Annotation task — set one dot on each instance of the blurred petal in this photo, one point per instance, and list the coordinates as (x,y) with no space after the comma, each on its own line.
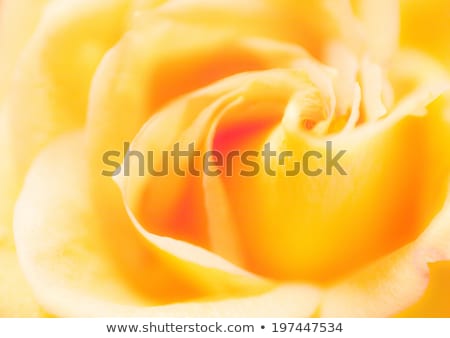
(16,298)
(435,302)
(61,243)
(411,69)
(143,71)
(397,281)
(18,20)
(285,20)
(425,25)
(54,102)
(381,43)
(55,70)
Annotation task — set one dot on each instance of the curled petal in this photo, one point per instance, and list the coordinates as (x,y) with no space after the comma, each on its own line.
(61,243)
(55,70)
(330,223)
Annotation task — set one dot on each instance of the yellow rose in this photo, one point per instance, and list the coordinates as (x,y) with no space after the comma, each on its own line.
(368,236)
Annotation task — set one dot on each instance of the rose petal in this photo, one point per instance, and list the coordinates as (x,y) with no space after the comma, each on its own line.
(16,298)
(435,302)
(433,18)
(158,202)
(248,53)
(394,282)
(265,246)
(283,301)
(411,69)
(381,44)
(332,224)
(61,243)
(307,24)
(55,70)
(142,72)
(18,20)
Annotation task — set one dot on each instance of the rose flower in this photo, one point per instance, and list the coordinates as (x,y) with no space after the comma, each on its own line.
(95,96)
